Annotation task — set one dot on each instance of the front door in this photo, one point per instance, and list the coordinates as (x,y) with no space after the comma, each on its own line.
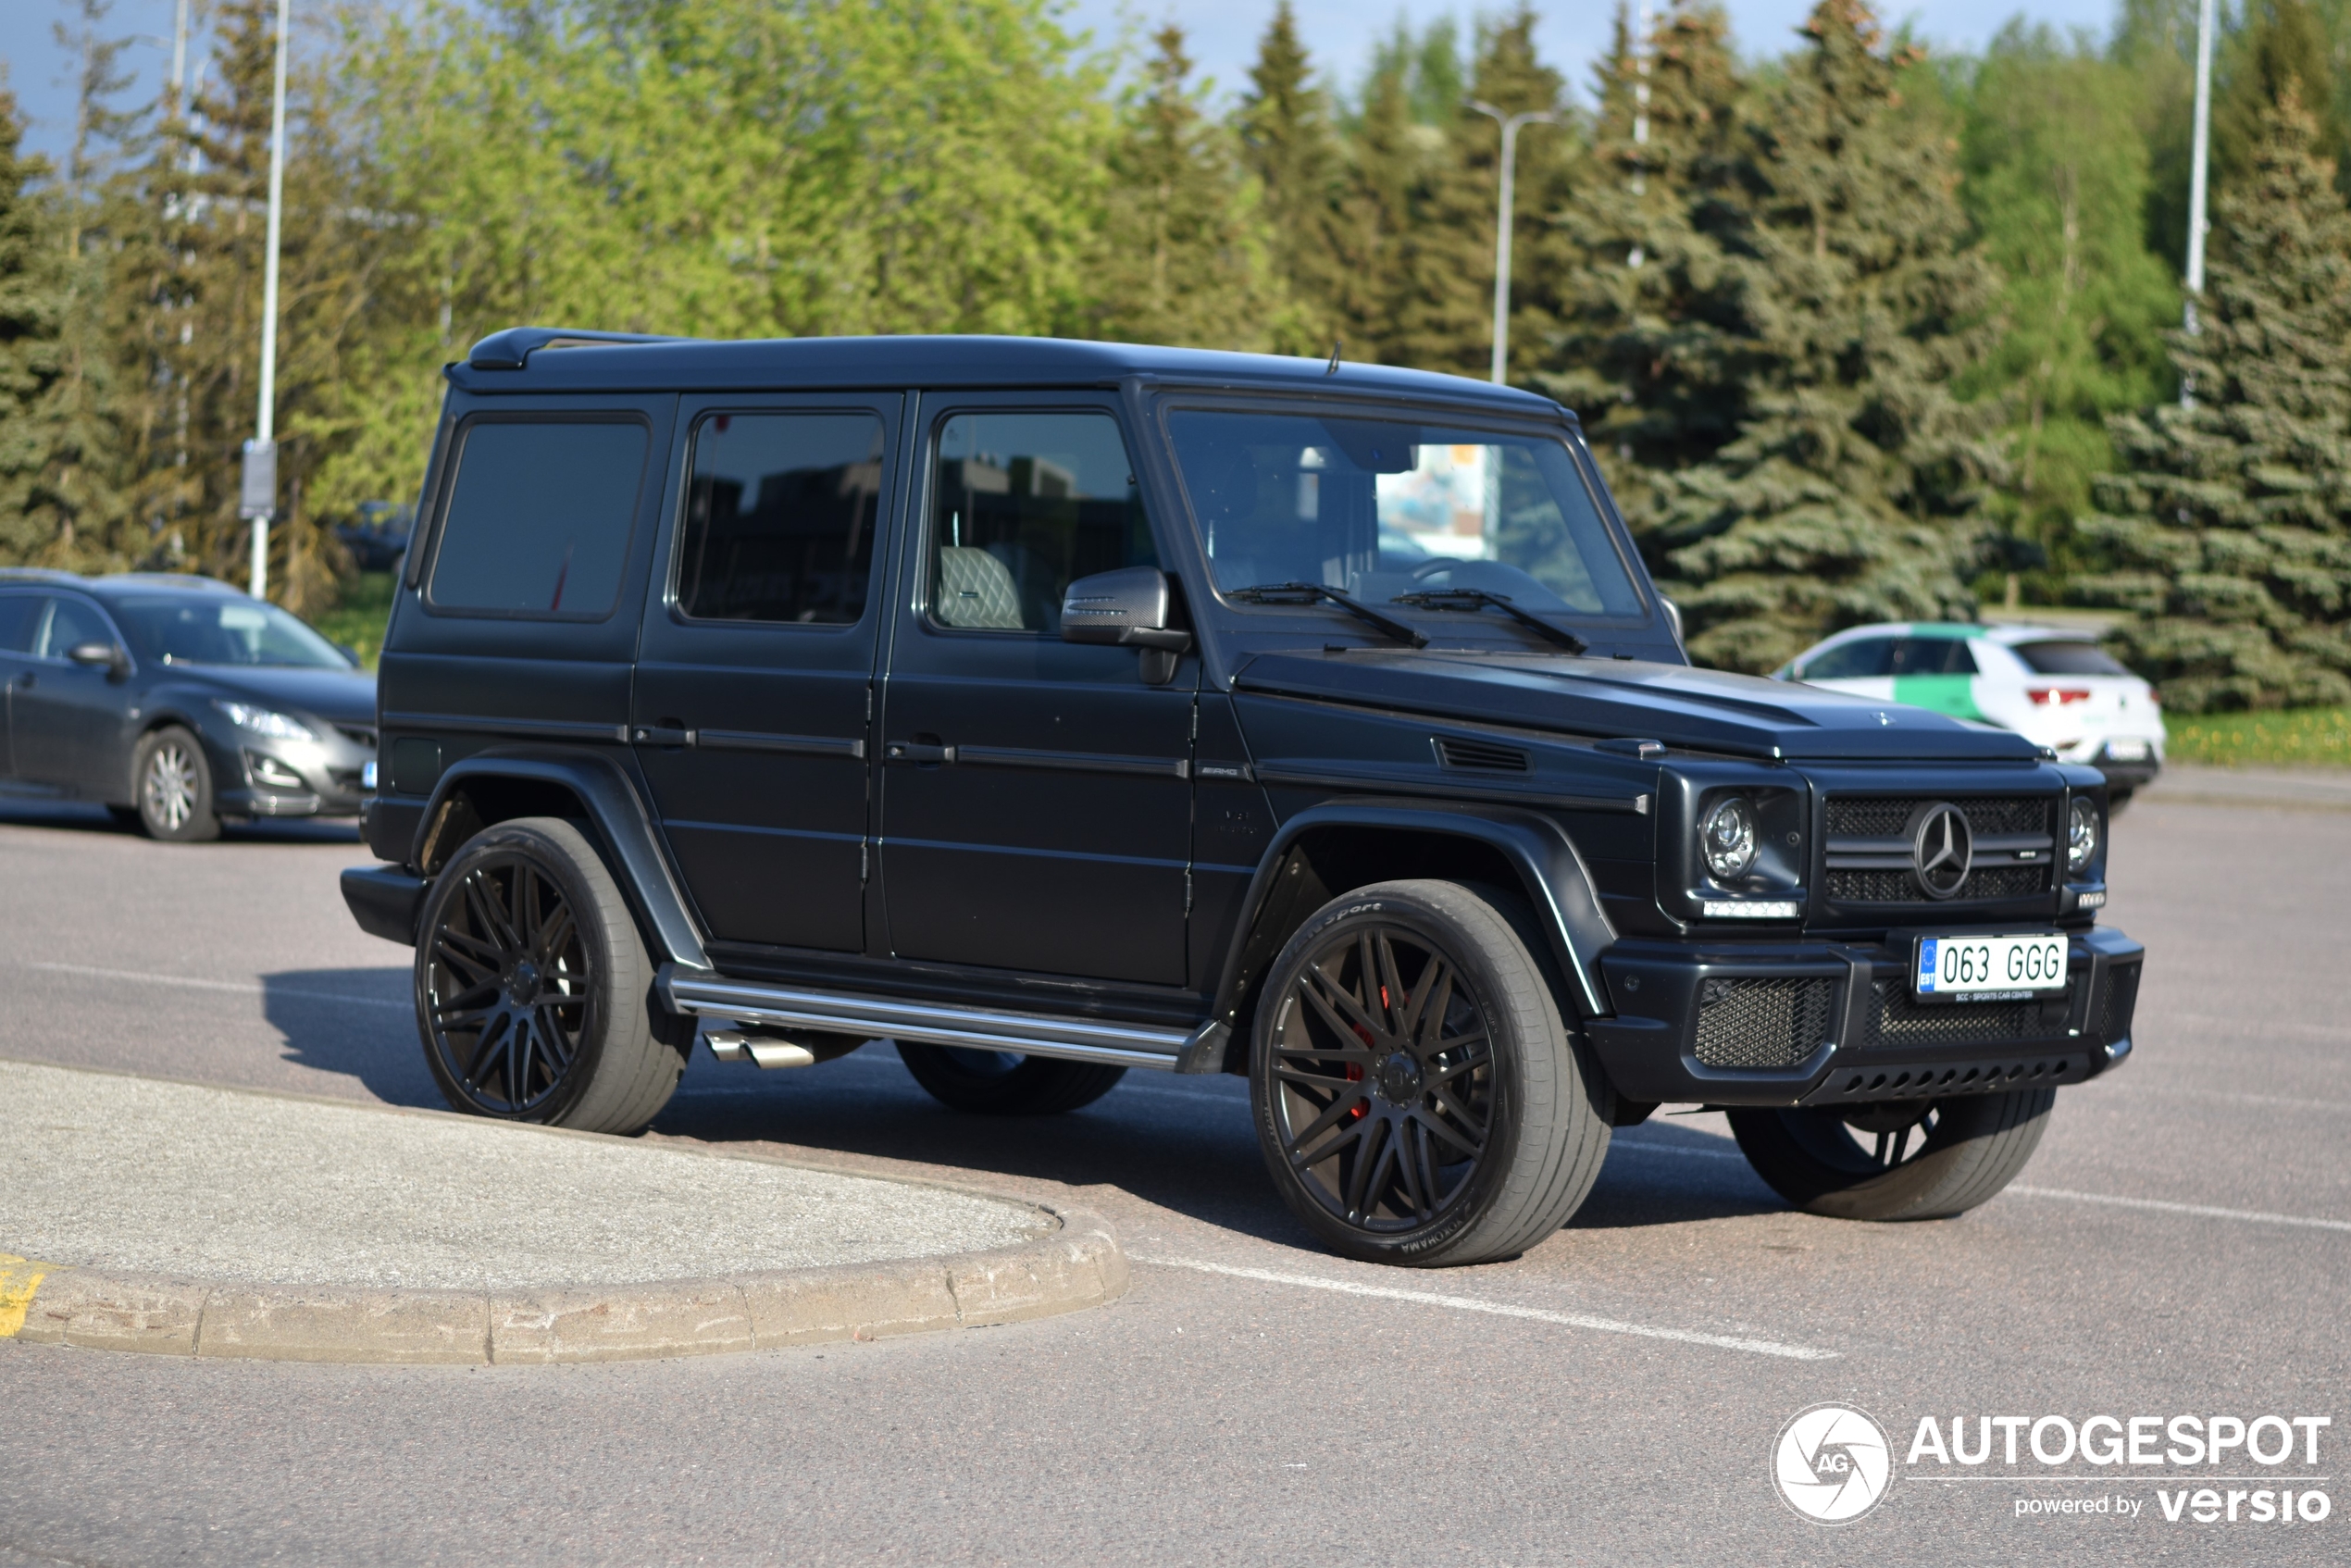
(754,685)
(1035,794)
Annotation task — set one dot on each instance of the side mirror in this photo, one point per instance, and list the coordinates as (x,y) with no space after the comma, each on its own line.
(101,655)
(1673,619)
(348,652)
(1127,608)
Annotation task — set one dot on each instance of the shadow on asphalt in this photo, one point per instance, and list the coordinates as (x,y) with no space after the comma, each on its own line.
(33,811)
(357,1022)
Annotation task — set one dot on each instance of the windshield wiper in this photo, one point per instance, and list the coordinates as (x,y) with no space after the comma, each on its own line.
(1315,592)
(1474,598)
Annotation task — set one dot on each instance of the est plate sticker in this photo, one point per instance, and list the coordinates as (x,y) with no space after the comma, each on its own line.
(1990,966)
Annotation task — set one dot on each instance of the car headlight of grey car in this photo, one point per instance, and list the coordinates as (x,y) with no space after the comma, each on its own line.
(265,722)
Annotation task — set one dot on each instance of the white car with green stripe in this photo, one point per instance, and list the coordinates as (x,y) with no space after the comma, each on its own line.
(2053,686)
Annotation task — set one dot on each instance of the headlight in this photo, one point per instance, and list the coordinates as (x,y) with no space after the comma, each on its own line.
(1726,837)
(264,722)
(2081,834)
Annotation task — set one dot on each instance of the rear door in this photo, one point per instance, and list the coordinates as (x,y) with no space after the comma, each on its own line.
(61,715)
(20,619)
(754,683)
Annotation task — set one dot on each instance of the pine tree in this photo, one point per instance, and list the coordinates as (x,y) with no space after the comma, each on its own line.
(2276,43)
(2231,526)
(1385,159)
(31,313)
(1446,318)
(1850,494)
(1647,350)
(1183,255)
(1289,145)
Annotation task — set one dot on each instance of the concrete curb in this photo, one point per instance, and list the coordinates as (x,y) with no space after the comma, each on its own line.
(1078,1266)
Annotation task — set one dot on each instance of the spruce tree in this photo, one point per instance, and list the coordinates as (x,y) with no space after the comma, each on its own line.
(1851,491)
(1289,145)
(31,313)
(1647,350)
(1182,257)
(1384,161)
(2229,527)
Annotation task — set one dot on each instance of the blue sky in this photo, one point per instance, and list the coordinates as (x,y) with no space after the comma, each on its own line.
(1224,36)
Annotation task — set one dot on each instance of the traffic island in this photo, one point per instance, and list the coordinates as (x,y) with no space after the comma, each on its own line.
(180,1219)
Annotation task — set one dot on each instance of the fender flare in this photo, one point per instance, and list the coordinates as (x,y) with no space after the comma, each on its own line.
(1548,866)
(616,813)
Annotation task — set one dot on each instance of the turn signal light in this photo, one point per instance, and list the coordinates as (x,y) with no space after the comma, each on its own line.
(2044,696)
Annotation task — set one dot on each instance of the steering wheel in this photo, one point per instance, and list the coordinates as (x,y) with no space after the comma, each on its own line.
(1435,565)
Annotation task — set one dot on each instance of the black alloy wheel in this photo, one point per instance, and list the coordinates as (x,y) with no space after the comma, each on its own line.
(1002,1083)
(533,986)
(1894,1159)
(1418,1099)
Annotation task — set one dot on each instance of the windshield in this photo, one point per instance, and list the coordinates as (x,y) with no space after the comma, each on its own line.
(188,629)
(1377,508)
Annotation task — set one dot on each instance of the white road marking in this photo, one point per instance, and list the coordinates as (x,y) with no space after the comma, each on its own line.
(240,987)
(2203,1209)
(1496,1309)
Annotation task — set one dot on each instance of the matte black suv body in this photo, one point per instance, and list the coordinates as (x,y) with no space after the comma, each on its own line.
(915,793)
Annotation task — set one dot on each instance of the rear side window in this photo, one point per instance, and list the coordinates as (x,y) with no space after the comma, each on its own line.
(1022,506)
(1858,660)
(539,517)
(20,618)
(2065,657)
(779,517)
(1933,655)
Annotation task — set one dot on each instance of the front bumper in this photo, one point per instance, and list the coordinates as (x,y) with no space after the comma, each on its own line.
(1833,1022)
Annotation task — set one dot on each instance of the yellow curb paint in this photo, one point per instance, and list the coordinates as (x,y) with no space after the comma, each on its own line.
(19,1277)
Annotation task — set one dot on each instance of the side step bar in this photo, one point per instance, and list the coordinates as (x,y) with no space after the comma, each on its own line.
(1199,1050)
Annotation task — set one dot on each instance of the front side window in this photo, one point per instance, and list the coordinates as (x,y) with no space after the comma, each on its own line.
(190,628)
(1933,655)
(1023,505)
(1376,508)
(779,517)
(70,624)
(539,517)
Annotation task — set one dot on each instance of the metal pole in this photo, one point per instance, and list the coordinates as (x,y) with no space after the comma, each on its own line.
(2197,175)
(1511,125)
(265,416)
(179,60)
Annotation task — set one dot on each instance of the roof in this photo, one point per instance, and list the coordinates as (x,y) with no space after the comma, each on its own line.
(553,359)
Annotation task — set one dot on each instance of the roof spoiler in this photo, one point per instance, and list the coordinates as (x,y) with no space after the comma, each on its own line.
(512,349)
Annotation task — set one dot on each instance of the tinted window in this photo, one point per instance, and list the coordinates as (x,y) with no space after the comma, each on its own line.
(538,519)
(189,629)
(72,623)
(1022,506)
(2066,658)
(19,621)
(1861,659)
(1933,655)
(779,517)
(1377,508)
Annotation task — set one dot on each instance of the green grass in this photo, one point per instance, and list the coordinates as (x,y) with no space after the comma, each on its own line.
(2304,736)
(358,620)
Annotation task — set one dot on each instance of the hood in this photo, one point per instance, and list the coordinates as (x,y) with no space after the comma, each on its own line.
(1707,710)
(338,696)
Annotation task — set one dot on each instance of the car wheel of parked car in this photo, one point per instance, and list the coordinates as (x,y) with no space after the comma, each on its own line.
(174,786)
(1418,1096)
(534,992)
(1898,1160)
(1001,1084)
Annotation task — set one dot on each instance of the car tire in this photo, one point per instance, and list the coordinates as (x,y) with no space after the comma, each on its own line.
(1361,1091)
(534,992)
(997,1083)
(1973,1146)
(171,787)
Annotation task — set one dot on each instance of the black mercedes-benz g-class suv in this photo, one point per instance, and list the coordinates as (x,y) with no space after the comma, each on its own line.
(1056,708)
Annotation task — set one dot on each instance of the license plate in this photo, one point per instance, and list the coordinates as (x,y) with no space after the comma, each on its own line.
(1985,968)
(2127,751)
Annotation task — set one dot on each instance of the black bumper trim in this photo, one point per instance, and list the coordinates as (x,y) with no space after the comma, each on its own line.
(385,903)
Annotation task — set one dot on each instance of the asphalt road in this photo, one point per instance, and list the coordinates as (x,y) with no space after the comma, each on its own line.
(2180,1246)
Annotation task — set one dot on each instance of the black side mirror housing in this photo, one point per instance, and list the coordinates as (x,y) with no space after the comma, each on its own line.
(115,663)
(1127,608)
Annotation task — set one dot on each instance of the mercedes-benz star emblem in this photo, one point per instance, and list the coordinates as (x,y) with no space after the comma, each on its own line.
(1944,850)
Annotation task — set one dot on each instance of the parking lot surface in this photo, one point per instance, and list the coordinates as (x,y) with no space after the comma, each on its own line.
(2180,1246)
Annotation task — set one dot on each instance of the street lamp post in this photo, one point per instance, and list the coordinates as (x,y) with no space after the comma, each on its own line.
(2197,178)
(259,497)
(1509,124)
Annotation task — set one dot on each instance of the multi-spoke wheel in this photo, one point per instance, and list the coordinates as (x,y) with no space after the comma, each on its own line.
(999,1083)
(533,986)
(171,785)
(1894,1159)
(1418,1098)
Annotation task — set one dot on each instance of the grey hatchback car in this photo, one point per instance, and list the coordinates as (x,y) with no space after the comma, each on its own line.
(177,702)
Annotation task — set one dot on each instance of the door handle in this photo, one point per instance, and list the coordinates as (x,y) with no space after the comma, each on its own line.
(917,752)
(660,735)
(24,681)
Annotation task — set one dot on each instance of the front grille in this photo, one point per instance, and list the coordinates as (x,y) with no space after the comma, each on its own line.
(2116,996)
(1763,1023)
(1901,887)
(1901,1019)
(1480,756)
(1987,815)
(2005,882)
